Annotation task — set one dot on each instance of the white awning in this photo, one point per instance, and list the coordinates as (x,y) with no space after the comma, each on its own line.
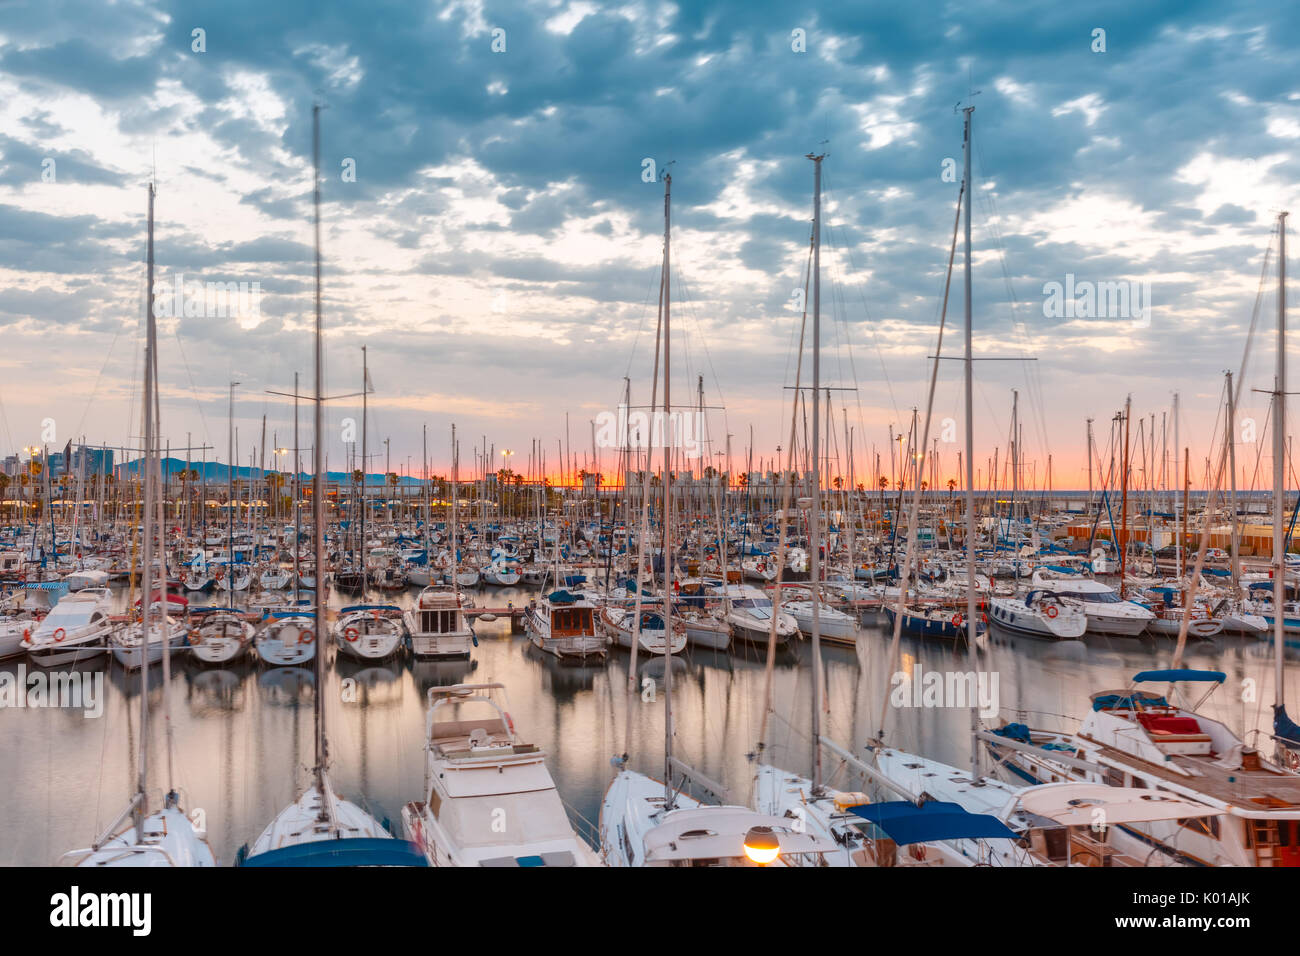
(1076,804)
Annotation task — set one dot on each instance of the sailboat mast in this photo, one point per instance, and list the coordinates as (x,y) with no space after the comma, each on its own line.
(455,552)
(971,627)
(1178,519)
(146,573)
(297,497)
(230,496)
(1230,434)
(317,489)
(668,508)
(814,530)
(365,463)
(1279,456)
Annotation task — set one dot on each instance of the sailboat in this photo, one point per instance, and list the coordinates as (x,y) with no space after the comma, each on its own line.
(437,625)
(650,822)
(319,828)
(165,837)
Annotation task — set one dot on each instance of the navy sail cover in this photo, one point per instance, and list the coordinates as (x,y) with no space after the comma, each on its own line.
(906,823)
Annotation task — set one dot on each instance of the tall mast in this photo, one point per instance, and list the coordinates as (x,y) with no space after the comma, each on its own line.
(317,489)
(146,574)
(668,509)
(230,496)
(297,497)
(455,554)
(971,628)
(1279,456)
(365,464)
(814,530)
(1230,434)
(1178,519)
(1123,496)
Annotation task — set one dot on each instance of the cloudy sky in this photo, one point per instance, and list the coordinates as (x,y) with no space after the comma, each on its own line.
(498,247)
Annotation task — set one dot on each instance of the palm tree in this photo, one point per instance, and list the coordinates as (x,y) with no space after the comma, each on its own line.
(275,482)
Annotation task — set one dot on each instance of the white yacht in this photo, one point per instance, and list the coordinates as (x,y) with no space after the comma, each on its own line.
(288,639)
(834,625)
(638,828)
(1137,738)
(21,613)
(563,624)
(1039,613)
(830,815)
(1107,612)
(489,799)
(330,832)
(749,612)
(219,635)
(165,838)
(76,630)
(130,647)
(437,626)
(369,632)
(618,623)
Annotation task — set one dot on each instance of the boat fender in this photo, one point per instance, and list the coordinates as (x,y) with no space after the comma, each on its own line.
(195,637)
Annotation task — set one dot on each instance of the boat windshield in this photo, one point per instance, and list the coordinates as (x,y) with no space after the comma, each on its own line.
(1097,597)
(506,818)
(752,602)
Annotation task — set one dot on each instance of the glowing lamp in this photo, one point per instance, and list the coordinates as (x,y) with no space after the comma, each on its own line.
(761,845)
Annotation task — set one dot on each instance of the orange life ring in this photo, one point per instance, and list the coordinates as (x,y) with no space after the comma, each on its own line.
(956,620)
(27,635)
(59,635)
(351,635)
(195,637)
(306,637)
(509,722)
(1051,611)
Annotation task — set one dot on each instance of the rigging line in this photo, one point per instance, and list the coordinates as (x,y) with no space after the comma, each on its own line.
(1032,377)
(645,310)
(792,353)
(871,325)
(894,659)
(689,303)
(193,387)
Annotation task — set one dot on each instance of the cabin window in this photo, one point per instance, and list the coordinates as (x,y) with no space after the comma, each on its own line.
(1207,826)
(1114,778)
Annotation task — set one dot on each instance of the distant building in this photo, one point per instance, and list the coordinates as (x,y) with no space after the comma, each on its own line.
(90,461)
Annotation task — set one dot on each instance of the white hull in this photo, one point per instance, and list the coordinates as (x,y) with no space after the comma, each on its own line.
(132,653)
(280,645)
(221,641)
(169,840)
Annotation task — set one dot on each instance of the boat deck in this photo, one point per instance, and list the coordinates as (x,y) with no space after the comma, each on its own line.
(1261,789)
